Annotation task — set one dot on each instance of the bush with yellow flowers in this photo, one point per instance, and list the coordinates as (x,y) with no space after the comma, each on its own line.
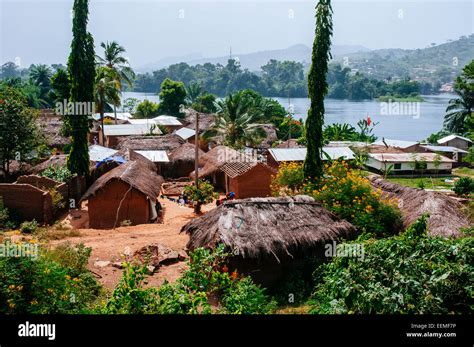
(45,284)
(288,180)
(346,193)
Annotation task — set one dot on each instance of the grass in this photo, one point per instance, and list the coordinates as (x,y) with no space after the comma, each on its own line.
(464,172)
(386,98)
(46,234)
(429,182)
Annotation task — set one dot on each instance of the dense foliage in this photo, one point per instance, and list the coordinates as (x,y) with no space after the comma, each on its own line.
(81,71)
(464,186)
(57,173)
(56,281)
(410,273)
(345,192)
(172,98)
(19,131)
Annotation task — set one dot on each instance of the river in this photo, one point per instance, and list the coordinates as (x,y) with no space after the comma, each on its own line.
(403,121)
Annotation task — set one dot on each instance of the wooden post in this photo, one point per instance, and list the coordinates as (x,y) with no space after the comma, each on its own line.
(197,206)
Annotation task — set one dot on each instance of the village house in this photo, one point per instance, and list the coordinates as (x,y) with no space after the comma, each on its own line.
(269,237)
(456,141)
(182,161)
(110,116)
(30,197)
(406,146)
(450,152)
(168,143)
(114,133)
(126,193)
(275,156)
(409,163)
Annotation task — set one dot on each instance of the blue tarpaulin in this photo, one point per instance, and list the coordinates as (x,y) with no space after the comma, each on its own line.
(114,158)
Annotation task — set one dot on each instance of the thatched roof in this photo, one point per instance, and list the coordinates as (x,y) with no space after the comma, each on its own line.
(291,143)
(55,160)
(206,120)
(136,174)
(270,135)
(446,217)
(259,228)
(184,153)
(167,142)
(175,187)
(52,133)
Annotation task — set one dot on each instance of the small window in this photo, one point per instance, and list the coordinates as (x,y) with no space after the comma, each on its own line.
(397,166)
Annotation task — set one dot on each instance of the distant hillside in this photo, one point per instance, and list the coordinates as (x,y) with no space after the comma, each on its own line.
(253,61)
(437,63)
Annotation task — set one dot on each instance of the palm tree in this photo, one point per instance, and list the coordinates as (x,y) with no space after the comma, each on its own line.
(235,121)
(193,92)
(460,109)
(114,60)
(458,112)
(40,76)
(107,90)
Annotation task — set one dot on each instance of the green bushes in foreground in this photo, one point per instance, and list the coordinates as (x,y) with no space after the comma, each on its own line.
(206,287)
(408,273)
(46,282)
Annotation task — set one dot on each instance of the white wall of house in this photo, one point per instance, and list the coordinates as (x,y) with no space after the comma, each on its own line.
(382,166)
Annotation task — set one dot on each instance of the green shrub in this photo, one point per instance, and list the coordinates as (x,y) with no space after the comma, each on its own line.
(408,273)
(44,286)
(346,193)
(205,287)
(57,173)
(29,227)
(464,186)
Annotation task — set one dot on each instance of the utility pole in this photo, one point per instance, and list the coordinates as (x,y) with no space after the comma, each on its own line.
(197,207)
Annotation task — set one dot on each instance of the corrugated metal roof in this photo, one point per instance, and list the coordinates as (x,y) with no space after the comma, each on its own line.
(299,154)
(167,120)
(142,121)
(452,137)
(120,115)
(447,149)
(155,156)
(129,129)
(397,143)
(408,157)
(99,153)
(185,133)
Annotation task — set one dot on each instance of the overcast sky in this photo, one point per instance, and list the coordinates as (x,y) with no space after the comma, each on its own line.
(39,31)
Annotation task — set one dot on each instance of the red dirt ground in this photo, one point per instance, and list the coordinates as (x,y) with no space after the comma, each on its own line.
(111,245)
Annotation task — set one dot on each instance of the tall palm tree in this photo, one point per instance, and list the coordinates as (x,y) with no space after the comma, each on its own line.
(107,90)
(113,58)
(235,121)
(40,76)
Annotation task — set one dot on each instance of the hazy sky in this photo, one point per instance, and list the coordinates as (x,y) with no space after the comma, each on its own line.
(39,31)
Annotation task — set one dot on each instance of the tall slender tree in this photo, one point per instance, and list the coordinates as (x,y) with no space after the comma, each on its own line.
(81,70)
(318,88)
(107,90)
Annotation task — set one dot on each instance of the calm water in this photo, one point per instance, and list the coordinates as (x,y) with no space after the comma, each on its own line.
(401,125)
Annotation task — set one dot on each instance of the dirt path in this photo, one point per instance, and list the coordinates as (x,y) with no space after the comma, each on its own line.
(112,245)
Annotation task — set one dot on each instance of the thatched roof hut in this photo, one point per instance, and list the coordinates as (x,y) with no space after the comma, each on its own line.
(218,156)
(128,192)
(182,160)
(167,142)
(266,234)
(206,120)
(270,135)
(446,216)
(290,143)
(52,132)
(54,160)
